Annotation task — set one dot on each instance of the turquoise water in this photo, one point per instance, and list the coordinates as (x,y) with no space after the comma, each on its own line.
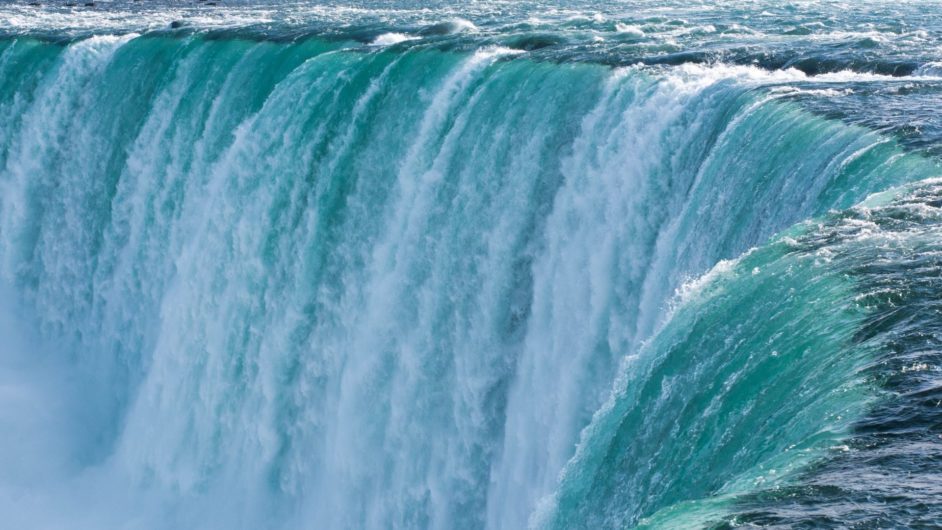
(488,266)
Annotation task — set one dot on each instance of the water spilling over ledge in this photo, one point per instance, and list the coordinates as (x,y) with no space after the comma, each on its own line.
(443,269)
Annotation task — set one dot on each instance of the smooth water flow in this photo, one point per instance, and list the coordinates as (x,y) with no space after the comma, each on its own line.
(436,278)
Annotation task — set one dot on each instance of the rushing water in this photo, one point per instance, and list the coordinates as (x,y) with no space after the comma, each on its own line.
(294,265)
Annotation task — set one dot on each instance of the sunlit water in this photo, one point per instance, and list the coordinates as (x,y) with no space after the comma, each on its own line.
(496,265)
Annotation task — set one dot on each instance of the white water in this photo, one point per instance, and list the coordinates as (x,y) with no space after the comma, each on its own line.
(373,299)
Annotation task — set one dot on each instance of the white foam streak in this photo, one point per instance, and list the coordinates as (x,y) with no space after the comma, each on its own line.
(388,39)
(629,29)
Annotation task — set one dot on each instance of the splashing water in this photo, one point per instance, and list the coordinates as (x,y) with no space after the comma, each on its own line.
(459,272)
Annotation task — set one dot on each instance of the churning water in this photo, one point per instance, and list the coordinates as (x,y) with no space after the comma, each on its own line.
(497,265)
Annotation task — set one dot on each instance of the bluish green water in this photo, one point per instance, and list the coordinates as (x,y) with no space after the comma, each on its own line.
(505,265)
